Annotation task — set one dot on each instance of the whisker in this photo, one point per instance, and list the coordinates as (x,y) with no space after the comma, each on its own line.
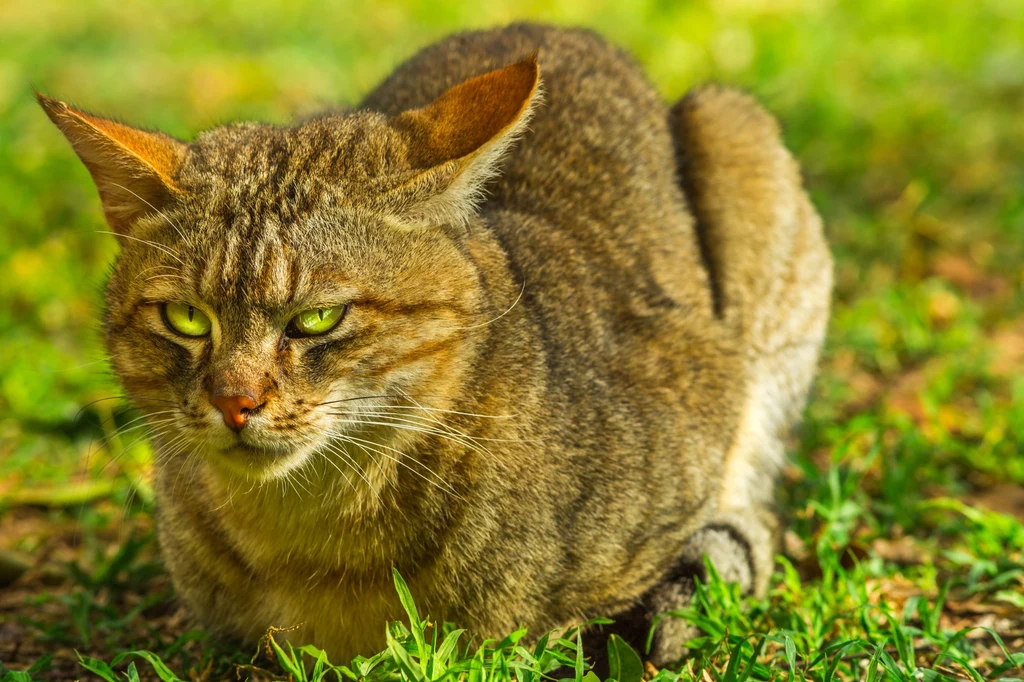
(160,266)
(133,488)
(424,421)
(134,420)
(167,276)
(116,397)
(347,400)
(369,456)
(444,411)
(290,480)
(160,428)
(192,462)
(416,406)
(444,424)
(433,432)
(305,477)
(56,370)
(159,247)
(492,321)
(441,484)
(348,458)
(126,428)
(406,418)
(177,228)
(316,450)
(168,450)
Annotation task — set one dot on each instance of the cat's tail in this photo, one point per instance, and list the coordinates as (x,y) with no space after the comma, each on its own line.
(771,270)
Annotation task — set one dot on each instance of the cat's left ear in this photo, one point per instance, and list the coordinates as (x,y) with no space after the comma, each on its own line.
(457,140)
(133,169)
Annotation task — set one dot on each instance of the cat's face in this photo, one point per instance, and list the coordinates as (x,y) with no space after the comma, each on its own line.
(281,288)
(304,313)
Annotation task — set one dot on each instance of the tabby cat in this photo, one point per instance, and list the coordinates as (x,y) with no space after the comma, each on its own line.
(512,326)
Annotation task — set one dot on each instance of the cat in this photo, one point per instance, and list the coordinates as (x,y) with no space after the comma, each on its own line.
(513,327)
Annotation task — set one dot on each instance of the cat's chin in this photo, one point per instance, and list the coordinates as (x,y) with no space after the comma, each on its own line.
(257,463)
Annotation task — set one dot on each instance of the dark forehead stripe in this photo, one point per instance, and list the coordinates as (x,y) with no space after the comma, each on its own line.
(253,265)
(254,190)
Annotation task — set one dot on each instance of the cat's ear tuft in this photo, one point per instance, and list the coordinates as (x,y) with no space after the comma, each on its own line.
(133,169)
(457,140)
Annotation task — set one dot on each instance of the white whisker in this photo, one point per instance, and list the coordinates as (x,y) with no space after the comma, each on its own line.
(492,321)
(400,460)
(177,228)
(159,247)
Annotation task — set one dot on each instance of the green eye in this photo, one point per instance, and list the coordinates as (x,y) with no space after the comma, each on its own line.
(316,321)
(185,319)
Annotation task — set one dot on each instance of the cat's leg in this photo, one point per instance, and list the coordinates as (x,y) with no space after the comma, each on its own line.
(740,546)
(771,271)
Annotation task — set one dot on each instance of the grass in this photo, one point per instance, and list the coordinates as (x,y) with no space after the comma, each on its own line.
(904,558)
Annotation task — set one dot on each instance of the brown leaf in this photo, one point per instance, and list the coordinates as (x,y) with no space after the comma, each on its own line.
(965,274)
(898,550)
(1005,498)
(1008,343)
(905,396)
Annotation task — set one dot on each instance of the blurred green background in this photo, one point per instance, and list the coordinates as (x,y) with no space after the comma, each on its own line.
(906,116)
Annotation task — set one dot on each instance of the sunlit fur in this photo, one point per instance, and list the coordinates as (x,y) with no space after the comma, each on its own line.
(567,369)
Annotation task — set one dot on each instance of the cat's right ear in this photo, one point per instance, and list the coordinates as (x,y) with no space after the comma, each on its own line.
(133,169)
(457,141)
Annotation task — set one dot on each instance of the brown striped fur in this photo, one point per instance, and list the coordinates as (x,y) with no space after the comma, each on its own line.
(599,318)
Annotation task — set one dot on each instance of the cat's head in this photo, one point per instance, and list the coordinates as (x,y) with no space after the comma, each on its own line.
(273,281)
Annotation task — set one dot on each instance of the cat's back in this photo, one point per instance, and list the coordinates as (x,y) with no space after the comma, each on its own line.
(594,178)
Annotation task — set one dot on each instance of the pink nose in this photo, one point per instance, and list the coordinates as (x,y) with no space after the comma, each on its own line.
(235,408)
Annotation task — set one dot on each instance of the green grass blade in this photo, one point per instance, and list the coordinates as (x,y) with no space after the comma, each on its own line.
(16,676)
(97,667)
(415,624)
(159,667)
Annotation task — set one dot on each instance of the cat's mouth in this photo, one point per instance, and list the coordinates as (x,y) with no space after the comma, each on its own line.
(257,450)
(258,460)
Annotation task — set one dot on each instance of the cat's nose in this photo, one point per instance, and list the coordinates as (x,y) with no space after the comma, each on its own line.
(235,408)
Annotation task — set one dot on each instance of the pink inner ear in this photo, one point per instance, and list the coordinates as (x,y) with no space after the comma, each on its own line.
(468,116)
